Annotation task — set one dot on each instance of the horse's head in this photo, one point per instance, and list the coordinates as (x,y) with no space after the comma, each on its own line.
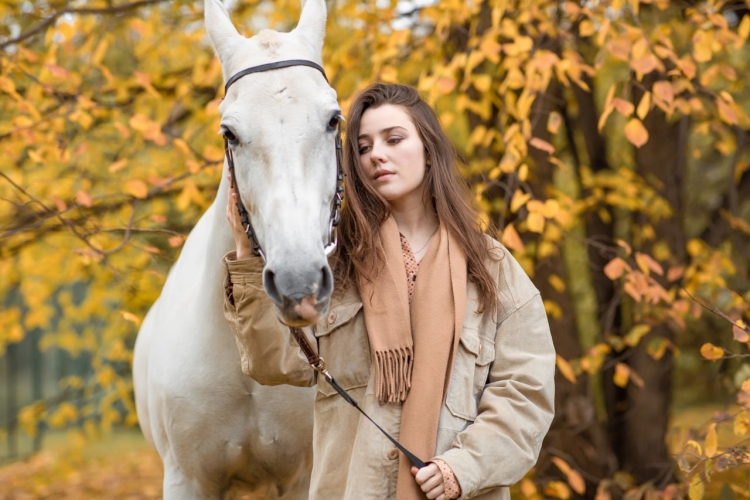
(281,127)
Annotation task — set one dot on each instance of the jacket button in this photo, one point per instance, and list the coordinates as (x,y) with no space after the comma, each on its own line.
(332,318)
(393,453)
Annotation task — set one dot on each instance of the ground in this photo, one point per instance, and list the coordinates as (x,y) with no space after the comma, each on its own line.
(121,465)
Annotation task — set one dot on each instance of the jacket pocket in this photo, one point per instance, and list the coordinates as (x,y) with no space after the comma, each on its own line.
(470,371)
(343,344)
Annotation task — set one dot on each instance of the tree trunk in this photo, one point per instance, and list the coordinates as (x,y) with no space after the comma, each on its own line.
(643,422)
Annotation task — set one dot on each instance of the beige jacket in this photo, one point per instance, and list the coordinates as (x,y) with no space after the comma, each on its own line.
(499,405)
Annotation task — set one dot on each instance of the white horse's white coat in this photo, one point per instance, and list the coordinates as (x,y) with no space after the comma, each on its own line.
(215,428)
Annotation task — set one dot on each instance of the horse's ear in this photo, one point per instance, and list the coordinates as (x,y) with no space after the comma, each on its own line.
(220,29)
(312,24)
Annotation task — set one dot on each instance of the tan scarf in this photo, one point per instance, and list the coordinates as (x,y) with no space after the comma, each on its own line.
(414,350)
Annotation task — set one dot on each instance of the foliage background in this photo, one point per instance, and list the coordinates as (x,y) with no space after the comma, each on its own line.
(607,142)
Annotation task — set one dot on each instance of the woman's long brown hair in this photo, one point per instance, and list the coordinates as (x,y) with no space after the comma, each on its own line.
(364,210)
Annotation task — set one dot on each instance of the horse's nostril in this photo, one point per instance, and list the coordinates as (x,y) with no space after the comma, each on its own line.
(326,283)
(269,283)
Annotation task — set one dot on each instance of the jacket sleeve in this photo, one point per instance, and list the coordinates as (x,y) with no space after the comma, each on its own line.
(268,352)
(515,409)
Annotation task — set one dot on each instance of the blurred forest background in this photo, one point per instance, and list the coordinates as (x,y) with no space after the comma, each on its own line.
(608,142)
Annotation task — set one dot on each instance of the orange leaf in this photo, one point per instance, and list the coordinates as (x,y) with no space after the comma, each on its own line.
(625,108)
(674,273)
(574,477)
(664,91)
(615,268)
(711,352)
(636,133)
(511,239)
(175,241)
(137,188)
(565,369)
(739,331)
(542,145)
(83,198)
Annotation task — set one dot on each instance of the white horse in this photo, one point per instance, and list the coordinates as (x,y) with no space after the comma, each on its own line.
(217,430)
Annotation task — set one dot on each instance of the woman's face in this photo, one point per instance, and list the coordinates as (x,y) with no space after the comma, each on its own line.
(392,155)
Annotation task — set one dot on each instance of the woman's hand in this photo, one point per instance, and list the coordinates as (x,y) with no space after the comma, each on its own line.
(430,479)
(242,243)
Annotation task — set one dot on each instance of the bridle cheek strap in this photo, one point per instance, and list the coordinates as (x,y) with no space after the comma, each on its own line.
(339,194)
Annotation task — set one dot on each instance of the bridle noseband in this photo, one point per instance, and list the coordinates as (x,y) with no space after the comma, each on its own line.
(338,196)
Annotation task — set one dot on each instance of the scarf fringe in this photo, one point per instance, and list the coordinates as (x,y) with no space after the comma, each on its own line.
(393,374)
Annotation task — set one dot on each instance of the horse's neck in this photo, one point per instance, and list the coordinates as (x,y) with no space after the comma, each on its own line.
(210,239)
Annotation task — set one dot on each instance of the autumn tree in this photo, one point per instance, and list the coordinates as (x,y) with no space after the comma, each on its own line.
(607,146)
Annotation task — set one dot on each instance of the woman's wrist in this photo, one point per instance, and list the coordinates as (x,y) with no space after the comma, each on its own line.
(243,252)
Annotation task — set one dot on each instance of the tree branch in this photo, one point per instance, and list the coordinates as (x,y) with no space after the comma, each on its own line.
(82,11)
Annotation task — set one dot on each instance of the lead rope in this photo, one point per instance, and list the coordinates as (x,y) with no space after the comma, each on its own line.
(319,365)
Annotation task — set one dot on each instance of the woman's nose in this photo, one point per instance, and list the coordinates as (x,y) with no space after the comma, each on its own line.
(377,153)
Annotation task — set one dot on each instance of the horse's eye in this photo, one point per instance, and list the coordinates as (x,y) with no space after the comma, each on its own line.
(333,123)
(229,136)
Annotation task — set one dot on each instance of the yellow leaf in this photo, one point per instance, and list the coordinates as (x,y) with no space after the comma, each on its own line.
(696,490)
(636,133)
(553,122)
(702,47)
(518,200)
(744,29)
(565,369)
(644,106)
(711,352)
(137,188)
(742,423)
(131,317)
(557,489)
(646,264)
(535,222)
(557,283)
(622,374)
(695,444)
(388,74)
(726,112)
(482,83)
(551,208)
(711,440)
(636,334)
(586,28)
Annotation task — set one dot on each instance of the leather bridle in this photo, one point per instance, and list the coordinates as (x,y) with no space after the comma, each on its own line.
(315,360)
(337,197)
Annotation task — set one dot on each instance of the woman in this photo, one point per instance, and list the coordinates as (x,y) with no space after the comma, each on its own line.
(434,327)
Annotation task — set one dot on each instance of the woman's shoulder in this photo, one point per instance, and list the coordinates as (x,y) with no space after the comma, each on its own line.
(514,287)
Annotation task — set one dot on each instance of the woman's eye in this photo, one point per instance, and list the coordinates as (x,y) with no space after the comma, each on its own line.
(394,140)
(363,149)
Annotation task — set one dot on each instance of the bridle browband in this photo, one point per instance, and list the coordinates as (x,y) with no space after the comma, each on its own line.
(317,362)
(337,197)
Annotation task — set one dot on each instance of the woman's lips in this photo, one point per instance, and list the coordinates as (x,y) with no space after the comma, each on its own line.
(383,175)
